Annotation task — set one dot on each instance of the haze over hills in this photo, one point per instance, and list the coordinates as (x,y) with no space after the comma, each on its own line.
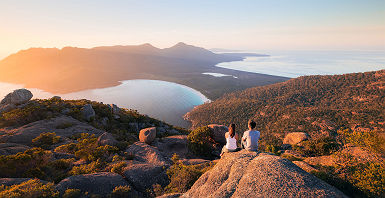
(74,69)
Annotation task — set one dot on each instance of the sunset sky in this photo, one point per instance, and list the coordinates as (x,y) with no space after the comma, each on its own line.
(236,24)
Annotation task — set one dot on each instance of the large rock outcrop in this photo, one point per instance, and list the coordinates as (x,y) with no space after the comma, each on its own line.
(144,176)
(145,153)
(107,139)
(250,174)
(173,144)
(147,135)
(18,96)
(25,134)
(88,112)
(12,148)
(219,132)
(97,183)
(295,138)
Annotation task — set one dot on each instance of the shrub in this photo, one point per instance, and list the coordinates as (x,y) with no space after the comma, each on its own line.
(72,193)
(57,170)
(329,175)
(46,140)
(200,141)
(66,148)
(29,189)
(370,178)
(118,167)
(291,157)
(87,148)
(182,177)
(368,139)
(27,164)
(270,143)
(93,167)
(121,192)
(318,147)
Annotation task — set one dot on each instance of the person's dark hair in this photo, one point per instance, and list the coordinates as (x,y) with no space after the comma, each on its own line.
(232,130)
(252,124)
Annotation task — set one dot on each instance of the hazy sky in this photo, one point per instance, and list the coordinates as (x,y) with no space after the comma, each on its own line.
(236,24)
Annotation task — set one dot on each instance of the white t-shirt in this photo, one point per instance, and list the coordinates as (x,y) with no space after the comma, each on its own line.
(231,143)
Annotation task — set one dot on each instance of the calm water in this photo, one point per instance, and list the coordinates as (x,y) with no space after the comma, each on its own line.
(159,99)
(300,63)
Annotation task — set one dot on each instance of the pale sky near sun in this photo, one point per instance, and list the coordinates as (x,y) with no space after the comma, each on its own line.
(236,24)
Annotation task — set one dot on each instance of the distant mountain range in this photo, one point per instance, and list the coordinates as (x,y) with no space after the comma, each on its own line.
(74,69)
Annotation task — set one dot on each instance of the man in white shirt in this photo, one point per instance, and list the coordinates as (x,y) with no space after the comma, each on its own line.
(250,138)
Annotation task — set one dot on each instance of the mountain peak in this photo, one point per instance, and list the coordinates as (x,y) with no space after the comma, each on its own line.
(181,44)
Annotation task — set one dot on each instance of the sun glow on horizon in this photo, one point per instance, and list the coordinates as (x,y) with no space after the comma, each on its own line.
(247,25)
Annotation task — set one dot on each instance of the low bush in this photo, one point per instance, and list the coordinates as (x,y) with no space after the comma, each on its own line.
(121,192)
(27,164)
(29,189)
(46,140)
(93,167)
(369,178)
(200,141)
(368,139)
(87,148)
(318,147)
(72,193)
(118,167)
(182,177)
(34,163)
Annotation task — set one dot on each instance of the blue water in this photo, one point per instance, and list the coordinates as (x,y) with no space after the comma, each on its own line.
(159,99)
(299,63)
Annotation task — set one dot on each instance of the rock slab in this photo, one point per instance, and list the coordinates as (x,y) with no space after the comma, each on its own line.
(97,183)
(295,138)
(147,154)
(144,176)
(107,139)
(25,134)
(251,174)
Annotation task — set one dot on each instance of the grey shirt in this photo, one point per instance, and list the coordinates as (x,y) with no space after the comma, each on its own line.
(251,140)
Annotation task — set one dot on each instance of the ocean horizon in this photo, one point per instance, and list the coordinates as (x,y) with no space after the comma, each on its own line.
(295,63)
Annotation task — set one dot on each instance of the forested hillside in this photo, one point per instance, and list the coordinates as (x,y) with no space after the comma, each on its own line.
(312,104)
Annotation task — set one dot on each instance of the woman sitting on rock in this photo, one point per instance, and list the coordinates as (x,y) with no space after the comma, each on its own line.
(231,140)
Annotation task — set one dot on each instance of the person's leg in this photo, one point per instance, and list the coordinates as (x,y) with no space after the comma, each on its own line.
(224,150)
(243,144)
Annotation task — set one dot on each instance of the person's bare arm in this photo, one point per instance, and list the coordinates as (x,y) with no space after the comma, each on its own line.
(236,136)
